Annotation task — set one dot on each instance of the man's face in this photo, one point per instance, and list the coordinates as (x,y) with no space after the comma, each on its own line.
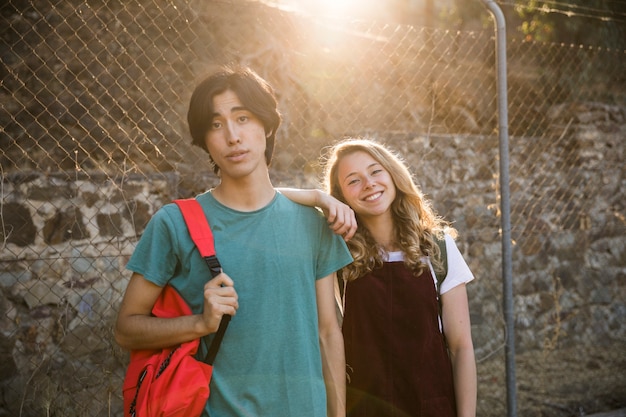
(236,138)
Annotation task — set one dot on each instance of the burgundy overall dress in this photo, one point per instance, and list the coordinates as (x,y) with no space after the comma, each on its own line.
(396,356)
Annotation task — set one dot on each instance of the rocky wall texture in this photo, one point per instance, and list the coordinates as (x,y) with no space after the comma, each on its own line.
(67,239)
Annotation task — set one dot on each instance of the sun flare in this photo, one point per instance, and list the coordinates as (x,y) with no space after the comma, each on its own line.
(337,7)
(330,8)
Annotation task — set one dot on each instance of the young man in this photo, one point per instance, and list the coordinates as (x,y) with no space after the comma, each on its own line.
(282,354)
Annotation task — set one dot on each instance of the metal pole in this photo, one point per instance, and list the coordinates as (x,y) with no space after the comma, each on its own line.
(505,206)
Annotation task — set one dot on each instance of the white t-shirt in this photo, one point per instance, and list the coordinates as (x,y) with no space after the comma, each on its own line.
(458,271)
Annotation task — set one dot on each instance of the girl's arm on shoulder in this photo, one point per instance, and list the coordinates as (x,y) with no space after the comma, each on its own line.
(306,197)
(340,216)
(457,328)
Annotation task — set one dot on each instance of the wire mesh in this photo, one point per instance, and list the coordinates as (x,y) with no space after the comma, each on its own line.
(93,140)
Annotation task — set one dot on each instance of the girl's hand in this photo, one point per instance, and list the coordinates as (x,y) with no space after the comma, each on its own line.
(340,216)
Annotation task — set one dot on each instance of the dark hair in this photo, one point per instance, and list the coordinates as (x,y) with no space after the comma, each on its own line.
(254,93)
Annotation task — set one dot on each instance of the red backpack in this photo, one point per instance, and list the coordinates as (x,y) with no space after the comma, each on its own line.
(170,382)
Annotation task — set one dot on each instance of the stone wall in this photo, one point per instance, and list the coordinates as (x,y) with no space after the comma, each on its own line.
(67,239)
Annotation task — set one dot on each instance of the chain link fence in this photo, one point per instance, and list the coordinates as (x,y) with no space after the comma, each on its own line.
(93,141)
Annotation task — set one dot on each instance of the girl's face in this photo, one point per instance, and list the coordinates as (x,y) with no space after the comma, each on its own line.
(365,184)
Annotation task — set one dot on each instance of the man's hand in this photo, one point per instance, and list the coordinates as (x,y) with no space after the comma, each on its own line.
(220,298)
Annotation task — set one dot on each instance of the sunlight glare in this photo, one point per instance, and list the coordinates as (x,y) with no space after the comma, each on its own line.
(332,8)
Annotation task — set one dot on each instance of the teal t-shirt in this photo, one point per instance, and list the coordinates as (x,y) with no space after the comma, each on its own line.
(269,362)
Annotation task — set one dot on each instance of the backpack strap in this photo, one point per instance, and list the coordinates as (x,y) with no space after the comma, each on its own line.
(443,258)
(201,235)
(200,232)
(441,276)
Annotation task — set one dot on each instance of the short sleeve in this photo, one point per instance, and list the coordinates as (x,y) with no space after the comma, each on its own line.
(458,270)
(333,252)
(154,256)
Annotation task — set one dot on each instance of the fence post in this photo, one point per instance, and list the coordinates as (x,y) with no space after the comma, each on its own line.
(503,133)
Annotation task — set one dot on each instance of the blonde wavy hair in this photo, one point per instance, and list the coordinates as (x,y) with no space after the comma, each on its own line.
(417,226)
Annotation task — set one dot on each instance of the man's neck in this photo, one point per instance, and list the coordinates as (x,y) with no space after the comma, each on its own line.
(245,194)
